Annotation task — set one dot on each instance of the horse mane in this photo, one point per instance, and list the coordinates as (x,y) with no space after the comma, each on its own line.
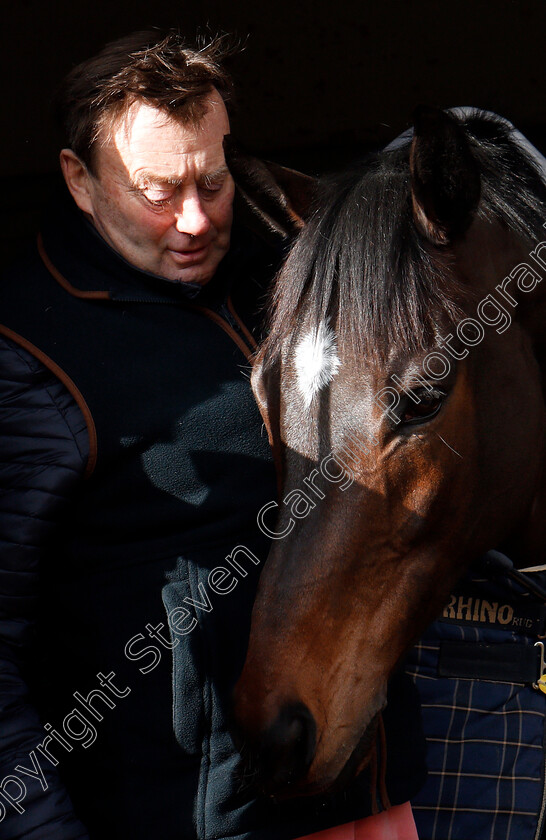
(361,261)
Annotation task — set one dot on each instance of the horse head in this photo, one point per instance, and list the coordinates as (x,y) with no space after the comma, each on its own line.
(402,389)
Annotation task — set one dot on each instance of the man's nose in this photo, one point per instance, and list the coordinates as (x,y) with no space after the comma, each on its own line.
(190,217)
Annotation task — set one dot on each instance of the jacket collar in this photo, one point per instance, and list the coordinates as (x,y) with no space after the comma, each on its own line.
(84,263)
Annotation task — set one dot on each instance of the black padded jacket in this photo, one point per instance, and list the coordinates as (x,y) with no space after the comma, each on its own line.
(112,518)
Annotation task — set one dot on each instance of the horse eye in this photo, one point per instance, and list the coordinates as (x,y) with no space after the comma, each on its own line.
(430,403)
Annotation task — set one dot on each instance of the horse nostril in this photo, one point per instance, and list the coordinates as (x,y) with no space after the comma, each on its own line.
(286,750)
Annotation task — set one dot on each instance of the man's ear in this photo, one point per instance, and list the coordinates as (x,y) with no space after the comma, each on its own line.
(445,176)
(76,176)
(278,198)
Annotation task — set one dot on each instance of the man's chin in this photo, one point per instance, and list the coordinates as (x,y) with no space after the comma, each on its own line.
(198,274)
(183,277)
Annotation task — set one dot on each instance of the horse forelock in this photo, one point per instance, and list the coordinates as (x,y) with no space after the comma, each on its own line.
(362,266)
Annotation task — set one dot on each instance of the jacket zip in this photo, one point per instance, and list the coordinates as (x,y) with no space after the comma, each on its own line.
(224,313)
(224,318)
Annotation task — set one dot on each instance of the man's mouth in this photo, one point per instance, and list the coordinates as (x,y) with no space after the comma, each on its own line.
(188,255)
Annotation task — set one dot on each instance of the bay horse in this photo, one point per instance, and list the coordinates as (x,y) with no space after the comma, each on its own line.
(402,388)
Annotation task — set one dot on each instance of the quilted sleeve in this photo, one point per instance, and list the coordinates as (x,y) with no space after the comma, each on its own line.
(43,452)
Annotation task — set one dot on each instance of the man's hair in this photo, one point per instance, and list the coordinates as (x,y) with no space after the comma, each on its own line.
(157,68)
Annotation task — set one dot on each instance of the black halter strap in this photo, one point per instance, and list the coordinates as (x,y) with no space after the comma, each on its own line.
(497,564)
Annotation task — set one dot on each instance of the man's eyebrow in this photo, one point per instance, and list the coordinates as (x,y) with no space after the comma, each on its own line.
(215,176)
(147,178)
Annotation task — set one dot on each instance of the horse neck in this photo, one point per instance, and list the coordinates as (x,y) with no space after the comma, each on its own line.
(500,253)
(529,542)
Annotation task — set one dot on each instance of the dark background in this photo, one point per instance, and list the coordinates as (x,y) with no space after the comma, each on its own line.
(318,83)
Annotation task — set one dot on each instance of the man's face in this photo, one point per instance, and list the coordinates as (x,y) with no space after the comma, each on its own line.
(162,195)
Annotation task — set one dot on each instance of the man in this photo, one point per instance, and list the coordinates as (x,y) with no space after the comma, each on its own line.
(134,465)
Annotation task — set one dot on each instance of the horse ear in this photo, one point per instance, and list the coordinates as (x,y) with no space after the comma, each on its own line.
(278,198)
(266,388)
(445,177)
(259,389)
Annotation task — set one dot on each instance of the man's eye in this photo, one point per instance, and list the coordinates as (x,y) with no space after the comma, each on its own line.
(210,188)
(430,403)
(157,198)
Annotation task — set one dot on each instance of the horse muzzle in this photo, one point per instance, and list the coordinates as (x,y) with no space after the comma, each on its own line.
(282,758)
(279,756)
